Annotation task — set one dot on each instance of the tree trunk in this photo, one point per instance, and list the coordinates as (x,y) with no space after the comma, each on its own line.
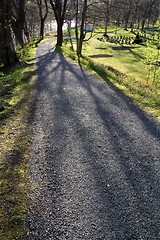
(7,48)
(69,34)
(18,31)
(59,12)
(143,24)
(106,28)
(42,16)
(42,28)
(132,25)
(19,22)
(26,32)
(76,27)
(8,53)
(80,44)
(126,24)
(59,33)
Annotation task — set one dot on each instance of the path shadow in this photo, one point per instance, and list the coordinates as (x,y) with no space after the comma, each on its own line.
(101,56)
(122,168)
(122,47)
(130,48)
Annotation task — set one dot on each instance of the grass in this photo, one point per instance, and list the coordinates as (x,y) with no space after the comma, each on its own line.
(16,86)
(125,66)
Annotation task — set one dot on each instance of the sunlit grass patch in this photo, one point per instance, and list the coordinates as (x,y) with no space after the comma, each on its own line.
(16,86)
(126,68)
(14,82)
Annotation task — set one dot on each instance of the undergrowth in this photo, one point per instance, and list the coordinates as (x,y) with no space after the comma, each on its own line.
(16,86)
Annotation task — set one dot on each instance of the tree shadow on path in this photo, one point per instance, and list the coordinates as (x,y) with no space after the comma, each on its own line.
(91,124)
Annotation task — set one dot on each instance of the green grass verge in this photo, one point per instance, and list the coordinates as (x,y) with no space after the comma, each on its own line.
(16,86)
(125,67)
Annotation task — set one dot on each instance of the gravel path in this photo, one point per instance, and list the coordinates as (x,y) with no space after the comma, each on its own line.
(95,158)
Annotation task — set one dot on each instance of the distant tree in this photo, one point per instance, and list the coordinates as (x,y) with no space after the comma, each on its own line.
(106,12)
(81,10)
(32,21)
(82,23)
(127,12)
(43,12)
(70,16)
(148,9)
(59,8)
(134,15)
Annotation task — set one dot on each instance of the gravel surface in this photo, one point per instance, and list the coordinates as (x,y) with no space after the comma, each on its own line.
(95,158)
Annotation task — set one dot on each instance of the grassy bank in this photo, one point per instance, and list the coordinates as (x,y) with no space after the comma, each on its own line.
(16,86)
(130,67)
